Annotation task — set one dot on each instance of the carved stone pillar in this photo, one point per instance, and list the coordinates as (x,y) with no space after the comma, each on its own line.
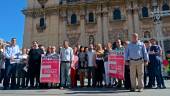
(63,28)
(105,25)
(136,20)
(129,21)
(83,38)
(99,33)
(27,32)
(54,29)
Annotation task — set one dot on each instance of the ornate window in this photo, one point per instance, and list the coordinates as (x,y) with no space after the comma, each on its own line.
(42,25)
(117,14)
(165,7)
(147,34)
(91,17)
(73,19)
(145,12)
(42,22)
(91,39)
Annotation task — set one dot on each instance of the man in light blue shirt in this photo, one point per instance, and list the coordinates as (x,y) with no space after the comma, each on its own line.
(136,56)
(11,57)
(136,51)
(66,55)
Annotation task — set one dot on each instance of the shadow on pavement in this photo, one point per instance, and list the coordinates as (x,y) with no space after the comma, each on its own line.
(96,91)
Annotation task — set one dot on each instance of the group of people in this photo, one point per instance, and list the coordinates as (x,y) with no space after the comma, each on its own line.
(143,60)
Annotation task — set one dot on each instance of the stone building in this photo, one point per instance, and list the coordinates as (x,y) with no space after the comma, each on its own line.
(92,21)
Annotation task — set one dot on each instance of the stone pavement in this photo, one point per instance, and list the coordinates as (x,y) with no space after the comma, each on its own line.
(87,92)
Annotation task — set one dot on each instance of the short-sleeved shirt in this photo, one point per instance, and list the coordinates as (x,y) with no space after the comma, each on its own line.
(35,55)
(90,56)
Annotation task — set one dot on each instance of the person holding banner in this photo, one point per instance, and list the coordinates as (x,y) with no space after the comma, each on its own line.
(66,55)
(48,53)
(119,50)
(108,50)
(136,55)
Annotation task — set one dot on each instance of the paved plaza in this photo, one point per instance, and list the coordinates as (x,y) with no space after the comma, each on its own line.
(87,92)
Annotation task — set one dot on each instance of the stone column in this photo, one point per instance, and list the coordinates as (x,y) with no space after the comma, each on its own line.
(99,34)
(130,20)
(54,26)
(136,20)
(28,32)
(82,38)
(63,29)
(105,26)
(129,24)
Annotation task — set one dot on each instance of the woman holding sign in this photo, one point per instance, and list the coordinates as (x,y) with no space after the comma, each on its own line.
(119,50)
(108,50)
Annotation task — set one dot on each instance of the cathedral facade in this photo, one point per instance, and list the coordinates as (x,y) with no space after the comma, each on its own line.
(93,21)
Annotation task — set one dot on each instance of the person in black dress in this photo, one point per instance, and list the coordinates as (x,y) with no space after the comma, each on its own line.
(127,82)
(34,63)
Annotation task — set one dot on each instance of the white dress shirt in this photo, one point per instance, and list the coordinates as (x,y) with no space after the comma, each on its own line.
(66,54)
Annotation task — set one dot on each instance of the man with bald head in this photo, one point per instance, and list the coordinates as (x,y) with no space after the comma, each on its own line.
(136,56)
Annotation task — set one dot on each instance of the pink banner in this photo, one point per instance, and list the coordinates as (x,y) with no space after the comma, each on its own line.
(50,69)
(116,65)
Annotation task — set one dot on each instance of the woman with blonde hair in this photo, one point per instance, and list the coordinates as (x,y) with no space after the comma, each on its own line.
(107,51)
(100,65)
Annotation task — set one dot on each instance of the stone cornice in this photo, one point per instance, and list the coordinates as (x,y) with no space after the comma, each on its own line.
(36,12)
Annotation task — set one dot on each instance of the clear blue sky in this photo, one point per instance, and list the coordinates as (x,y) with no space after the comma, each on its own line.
(12,20)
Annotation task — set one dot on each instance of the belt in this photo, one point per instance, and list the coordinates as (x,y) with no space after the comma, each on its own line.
(65,61)
(136,59)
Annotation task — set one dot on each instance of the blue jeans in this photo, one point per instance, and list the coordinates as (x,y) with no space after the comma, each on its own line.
(156,71)
(10,73)
(65,74)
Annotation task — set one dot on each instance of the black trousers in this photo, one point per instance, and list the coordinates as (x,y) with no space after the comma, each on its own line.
(127,82)
(91,75)
(34,73)
(99,71)
(145,75)
(2,75)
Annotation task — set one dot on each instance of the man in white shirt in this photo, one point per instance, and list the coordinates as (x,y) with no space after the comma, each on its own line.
(66,55)
(11,58)
(91,59)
